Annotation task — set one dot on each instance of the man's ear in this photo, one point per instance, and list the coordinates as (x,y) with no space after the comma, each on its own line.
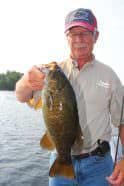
(95,36)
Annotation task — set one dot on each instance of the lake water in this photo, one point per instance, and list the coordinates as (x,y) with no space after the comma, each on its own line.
(22,161)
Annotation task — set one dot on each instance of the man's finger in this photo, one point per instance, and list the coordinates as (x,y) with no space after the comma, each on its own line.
(115,173)
(117,181)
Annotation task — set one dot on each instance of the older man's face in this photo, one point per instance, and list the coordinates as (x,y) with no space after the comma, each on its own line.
(81,42)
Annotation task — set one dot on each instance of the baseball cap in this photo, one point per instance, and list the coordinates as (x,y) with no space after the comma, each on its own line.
(81,17)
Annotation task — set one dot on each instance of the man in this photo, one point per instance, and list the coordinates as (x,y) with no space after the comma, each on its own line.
(99,95)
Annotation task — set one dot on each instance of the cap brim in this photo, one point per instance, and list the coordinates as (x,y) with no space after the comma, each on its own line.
(82,24)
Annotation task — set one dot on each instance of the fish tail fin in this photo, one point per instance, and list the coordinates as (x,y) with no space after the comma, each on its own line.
(62,168)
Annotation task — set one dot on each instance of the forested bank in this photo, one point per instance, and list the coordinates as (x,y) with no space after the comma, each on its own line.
(9,79)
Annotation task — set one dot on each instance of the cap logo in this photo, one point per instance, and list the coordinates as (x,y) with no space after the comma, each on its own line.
(85,16)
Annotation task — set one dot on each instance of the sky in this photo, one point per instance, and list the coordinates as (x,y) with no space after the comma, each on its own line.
(32,32)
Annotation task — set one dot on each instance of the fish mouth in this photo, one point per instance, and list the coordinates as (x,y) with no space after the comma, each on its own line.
(46,68)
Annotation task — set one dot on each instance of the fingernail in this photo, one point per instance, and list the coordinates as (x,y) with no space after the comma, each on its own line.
(108,177)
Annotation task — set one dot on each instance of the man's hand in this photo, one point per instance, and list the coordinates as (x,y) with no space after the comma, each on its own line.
(31,81)
(35,78)
(117,177)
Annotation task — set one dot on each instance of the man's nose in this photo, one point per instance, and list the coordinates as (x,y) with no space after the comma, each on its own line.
(78,38)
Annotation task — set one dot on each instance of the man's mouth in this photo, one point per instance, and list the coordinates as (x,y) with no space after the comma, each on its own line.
(80,45)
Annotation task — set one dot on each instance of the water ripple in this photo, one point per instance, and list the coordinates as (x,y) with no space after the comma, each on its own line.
(22,161)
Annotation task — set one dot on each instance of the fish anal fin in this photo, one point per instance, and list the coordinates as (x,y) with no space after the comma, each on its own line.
(62,169)
(46,142)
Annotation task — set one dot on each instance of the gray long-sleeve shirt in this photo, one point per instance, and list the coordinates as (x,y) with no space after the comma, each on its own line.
(99,95)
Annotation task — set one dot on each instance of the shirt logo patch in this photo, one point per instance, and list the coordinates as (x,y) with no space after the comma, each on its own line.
(103,84)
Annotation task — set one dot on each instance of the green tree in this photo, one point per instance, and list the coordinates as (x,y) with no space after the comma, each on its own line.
(9,79)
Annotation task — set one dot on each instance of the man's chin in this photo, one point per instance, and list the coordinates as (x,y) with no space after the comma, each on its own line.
(80,56)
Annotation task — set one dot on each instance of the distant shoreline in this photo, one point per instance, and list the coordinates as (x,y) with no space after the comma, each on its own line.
(7,90)
(8,80)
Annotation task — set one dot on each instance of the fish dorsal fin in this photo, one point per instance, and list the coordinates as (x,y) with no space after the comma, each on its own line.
(46,142)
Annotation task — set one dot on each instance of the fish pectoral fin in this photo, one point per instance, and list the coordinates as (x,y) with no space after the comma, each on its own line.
(38,105)
(62,169)
(46,142)
(35,104)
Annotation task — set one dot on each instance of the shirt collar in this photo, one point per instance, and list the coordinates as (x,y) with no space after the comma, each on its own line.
(73,63)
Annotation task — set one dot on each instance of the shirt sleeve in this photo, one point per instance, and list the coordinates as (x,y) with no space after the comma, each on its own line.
(116,102)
